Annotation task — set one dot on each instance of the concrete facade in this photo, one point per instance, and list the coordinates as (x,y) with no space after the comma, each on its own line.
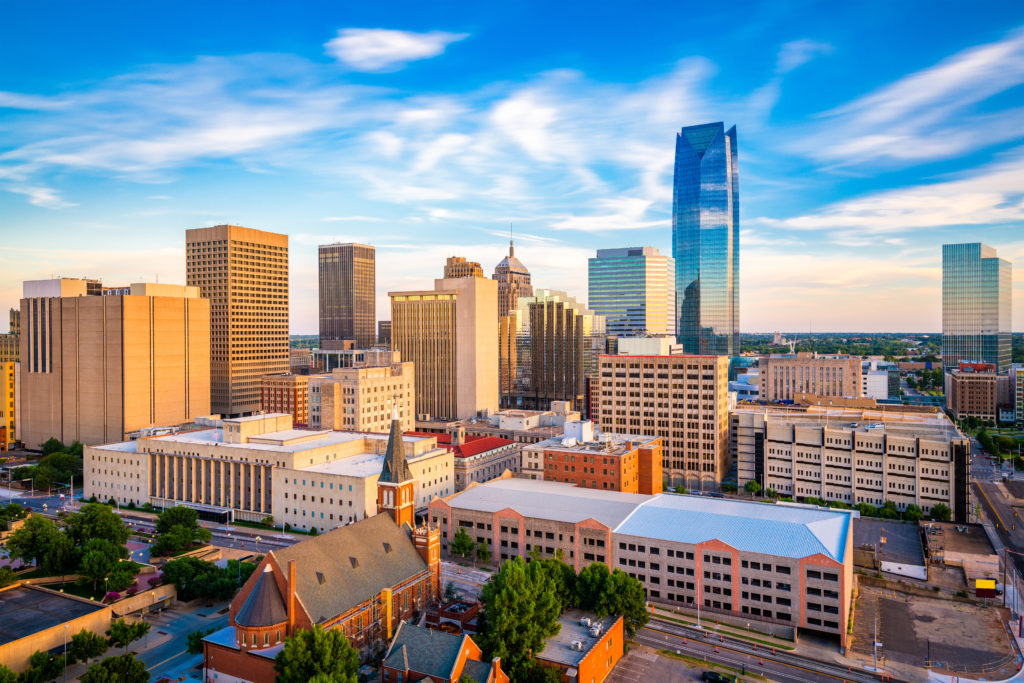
(855,456)
(260,466)
(683,399)
(782,377)
(244,274)
(521,426)
(450,334)
(361,399)
(9,401)
(100,367)
(458,266)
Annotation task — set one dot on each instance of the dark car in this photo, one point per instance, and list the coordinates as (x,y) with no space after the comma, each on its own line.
(715,677)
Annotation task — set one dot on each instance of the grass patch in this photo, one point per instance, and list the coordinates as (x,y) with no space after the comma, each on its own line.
(709,665)
(257,525)
(728,633)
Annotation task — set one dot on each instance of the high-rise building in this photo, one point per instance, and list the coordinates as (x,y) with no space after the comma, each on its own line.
(513,281)
(683,399)
(458,266)
(384,332)
(706,240)
(450,333)
(782,377)
(98,368)
(9,400)
(9,342)
(555,342)
(244,274)
(347,294)
(362,399)
(635,290)
(976,306)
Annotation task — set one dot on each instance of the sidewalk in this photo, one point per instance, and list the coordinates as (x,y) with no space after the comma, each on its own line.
(708,623)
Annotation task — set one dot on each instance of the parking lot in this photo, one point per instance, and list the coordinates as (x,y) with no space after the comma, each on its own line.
(643,664)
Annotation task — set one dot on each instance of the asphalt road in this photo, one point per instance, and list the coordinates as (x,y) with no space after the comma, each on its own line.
(780,666)
(171,659)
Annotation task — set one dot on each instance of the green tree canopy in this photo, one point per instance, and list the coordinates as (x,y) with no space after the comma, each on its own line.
(96,521)
(86,645)
(941,512)
(912,513)
(52,445)
(119,669)
(752,487)
(314,653)
(33,540)
(520,612)
(178,528)
(6,675)
(195,639)
(462,544)
(61,557)
(122,634)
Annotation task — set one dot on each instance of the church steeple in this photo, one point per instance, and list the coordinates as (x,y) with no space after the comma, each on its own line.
(395,485)
(396,469)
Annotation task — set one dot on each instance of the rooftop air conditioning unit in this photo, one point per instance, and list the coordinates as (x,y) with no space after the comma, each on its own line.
(595,630)
(585,621)
(577,645)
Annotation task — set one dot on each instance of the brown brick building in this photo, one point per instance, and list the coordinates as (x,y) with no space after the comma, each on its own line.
(364,579)
(782,377)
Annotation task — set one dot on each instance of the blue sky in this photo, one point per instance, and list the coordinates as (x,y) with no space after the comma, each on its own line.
(869,134)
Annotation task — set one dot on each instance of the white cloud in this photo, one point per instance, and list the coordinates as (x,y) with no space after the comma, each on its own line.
(362,219)
(927,115)
(371,49)
(45,197)
(796,53)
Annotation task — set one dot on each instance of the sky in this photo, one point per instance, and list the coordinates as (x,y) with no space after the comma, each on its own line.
(869,134)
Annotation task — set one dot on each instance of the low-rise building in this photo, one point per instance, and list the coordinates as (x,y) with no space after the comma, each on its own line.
(785,375)
(787,564)
(363,579)
(522,426)
(286,392)
(478,458)
(260,466)
(361,399)
(977,390)
(418,653)
(585,648)
(906,455)
(613,462)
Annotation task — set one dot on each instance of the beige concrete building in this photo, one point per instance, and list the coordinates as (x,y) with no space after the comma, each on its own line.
(458,266)
(683,399)
(450,334)
(975,390)
(361,399)
(521,426)
(9,401)
(100,367)
(244,274)
(854,455)
(258,466)
(9,345)
(782,377)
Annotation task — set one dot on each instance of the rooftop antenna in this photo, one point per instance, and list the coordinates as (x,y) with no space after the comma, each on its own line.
(511,247)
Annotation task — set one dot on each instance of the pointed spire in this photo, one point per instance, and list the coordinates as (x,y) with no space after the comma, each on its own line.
(511,248)
(395,469)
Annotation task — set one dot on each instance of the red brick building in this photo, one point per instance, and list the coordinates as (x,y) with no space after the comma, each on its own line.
(419,653)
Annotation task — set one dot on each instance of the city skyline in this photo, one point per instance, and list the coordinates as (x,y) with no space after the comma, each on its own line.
(426,136)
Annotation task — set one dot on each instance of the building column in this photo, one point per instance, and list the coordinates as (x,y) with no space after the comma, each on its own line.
(263,488)
(202,482)
(175,467)
(231,485)
(252,487)
(192,477)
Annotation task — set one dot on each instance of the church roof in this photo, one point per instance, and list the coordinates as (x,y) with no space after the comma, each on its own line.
(395,469)
(265,605)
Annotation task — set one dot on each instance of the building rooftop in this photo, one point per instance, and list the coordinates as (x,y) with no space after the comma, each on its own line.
(473,445)
(786,530)
(902,540)
(424,650)
(27,610)
(606,444)
(915,423)
(549,500)
(576,627)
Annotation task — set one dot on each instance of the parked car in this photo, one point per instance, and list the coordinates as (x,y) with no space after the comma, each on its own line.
(715,677)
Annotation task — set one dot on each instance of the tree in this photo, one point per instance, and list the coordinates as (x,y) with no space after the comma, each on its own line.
(195,639)
(122,576)
(86,645)
(941,512)
(6,675)
(889,510)
(752,487)
(912,513)
(98,560)
(679,488)
(118,669)
(462,544)
(483,552)
(450,593)
(520,612)
(315,652)
(32,541)
(61,557)
(42,667)
(96,521)
(729,487)
(7,576)
(590,584)
(867,510)
(122,634)
(624,596)
(563,578)
(178,528)
(52,445)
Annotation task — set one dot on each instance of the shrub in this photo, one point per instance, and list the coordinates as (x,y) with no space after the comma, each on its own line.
(111,597)
(155,581)
(132,589)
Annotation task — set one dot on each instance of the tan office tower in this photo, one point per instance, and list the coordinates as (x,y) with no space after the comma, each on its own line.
(9,401)
(785,376)
(9,342)
(348,309)
(244,274)
(513,281)
(450,334)
(98,368)
(683,399)
(363,399)
(458,266)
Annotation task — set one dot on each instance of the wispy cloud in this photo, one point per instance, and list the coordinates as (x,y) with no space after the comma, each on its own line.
(340,219)
(796,53)
(45,197)
(928,114)
(374,49)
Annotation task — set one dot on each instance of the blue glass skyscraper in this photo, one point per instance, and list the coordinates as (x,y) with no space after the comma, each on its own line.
(976,306)
(706,240)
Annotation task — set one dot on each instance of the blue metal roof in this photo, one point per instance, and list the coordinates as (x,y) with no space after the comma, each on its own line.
(783,530)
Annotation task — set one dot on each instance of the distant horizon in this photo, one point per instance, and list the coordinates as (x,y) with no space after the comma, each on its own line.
(426,131)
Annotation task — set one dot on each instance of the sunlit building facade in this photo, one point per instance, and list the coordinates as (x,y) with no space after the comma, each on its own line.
(976,306)
(347,294)
(706,240)
(634,289)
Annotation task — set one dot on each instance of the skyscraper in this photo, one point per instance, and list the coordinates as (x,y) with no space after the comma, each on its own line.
(458,266)
(244,274)
(347,294)
(706,240)
(450,334)
(513,281)
(634,289)
(976,306)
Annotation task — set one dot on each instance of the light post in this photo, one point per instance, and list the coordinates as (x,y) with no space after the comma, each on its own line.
(66,652)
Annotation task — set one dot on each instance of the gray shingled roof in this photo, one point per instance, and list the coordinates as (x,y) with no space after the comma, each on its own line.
(265,604)
(342,568)
(478,671)
(424,651)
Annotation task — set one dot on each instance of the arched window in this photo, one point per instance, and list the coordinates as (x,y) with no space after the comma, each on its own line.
(266,638)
